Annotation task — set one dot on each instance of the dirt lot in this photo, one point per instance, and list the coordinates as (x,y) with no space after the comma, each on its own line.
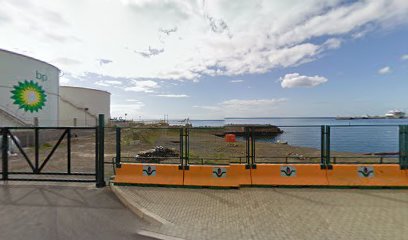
(205,147)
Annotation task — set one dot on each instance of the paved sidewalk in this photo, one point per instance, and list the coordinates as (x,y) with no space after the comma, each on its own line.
(275,213)
(74,211)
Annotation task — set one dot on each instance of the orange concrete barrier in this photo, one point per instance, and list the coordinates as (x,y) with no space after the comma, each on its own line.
(289,174)
(233,175)
(157,174)
(367,175)
(236,175)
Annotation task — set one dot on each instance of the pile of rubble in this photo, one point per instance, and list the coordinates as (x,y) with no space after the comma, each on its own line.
(157,154)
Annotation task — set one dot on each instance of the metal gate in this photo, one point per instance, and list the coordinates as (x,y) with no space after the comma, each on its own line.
(36,158)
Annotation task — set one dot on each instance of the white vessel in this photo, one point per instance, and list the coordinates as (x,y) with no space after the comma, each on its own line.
(395,114)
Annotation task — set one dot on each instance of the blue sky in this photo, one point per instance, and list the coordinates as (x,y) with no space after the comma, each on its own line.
(215,59)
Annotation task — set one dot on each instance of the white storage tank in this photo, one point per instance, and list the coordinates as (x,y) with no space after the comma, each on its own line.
(81,106)
(29,88)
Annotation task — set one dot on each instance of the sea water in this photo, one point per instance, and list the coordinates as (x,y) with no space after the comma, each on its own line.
(358,136)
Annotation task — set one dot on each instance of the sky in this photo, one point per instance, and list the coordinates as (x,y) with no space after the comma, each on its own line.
(214,59)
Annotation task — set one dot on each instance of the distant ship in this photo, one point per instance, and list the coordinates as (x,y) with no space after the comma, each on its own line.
(395,114)
(360,117)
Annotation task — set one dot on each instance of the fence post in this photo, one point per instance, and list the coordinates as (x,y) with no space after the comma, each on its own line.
(322,146)
(405,146)
(4,150)
(69,150)
(400,146)
(325,148)
(118,147)
(248,144)
(253,165)
(184,148)
(250,147)
(403,137)
(100,176)
(37,149)
(181,166)
(247,148)
(328,165)
(187,147)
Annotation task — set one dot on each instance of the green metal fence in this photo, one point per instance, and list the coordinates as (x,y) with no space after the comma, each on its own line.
(56,154)
(189,146)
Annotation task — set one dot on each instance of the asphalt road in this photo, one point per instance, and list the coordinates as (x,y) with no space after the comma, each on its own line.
(64,212)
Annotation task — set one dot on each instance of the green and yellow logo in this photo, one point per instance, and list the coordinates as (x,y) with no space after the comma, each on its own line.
(29,96)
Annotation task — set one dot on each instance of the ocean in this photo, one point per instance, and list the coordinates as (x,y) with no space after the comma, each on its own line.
(356,136)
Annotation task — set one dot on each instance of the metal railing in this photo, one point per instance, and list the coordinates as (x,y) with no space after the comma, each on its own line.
(206,145)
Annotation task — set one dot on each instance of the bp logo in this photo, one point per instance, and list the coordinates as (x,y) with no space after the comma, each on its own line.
(288,171)
(149,170)
(219,172)
(29,96)
(364,171)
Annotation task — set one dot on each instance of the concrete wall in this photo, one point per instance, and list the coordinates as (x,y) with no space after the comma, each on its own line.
(16,69)
(84,104)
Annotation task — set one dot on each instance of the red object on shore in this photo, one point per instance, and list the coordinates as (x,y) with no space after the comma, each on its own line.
(230,137)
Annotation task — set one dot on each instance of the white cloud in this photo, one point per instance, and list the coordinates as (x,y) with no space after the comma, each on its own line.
(286,57)
(173,95)
(292,80)
(332,43)
(190,38)
(245,107)
(236,81)
(134,106)
(113,82)
(104,61)
(63,61)
(133,110)
(211,108)
(108,83)
(146,86)
(64,81)
(404,57)
(102,83)
(384,70)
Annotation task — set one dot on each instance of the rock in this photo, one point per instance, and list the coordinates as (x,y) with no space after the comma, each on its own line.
(159,153)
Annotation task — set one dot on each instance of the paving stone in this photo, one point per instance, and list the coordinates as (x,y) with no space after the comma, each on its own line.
(276,213)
